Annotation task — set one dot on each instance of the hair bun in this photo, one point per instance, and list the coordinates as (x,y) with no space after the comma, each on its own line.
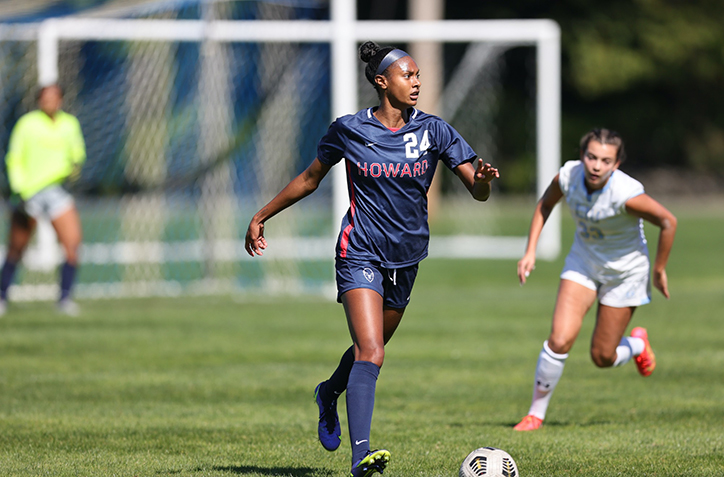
(368,50)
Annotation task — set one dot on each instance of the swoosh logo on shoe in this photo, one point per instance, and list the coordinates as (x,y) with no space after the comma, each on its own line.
(359,442)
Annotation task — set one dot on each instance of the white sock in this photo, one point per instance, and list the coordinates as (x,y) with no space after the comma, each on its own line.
(547,373)
(637,345)
(627,349)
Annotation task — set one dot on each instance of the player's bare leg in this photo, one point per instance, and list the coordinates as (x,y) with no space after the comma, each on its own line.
(573,302)
(21,231)
(365,319)
(611,324)
(70,234)
(370,325)
(609,346)
(327,392)
(392,318)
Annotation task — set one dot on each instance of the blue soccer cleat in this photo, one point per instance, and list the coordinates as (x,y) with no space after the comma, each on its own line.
(374,461)
(330,434)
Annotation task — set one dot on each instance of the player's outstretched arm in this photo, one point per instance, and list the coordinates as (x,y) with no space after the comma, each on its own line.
(300,187)
(543,210)
(477,177)
(648,209)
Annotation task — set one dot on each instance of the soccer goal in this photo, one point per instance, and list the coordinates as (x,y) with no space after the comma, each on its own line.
(193,120)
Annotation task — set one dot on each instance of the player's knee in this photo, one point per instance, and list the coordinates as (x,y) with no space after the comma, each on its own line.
(15,254)
(71,247)
(374,355)
(16,249)
(560,345)
(71,256)
(603,358)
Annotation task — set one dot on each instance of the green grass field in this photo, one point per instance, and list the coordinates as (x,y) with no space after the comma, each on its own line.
(223,386)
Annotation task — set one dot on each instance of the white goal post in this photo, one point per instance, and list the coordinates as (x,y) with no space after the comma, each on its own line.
(344,32)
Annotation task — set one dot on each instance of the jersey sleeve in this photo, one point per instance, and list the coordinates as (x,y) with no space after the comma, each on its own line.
(330,149)
(565,174)
(77,143)
(626,188)
(454,150)
(14,157)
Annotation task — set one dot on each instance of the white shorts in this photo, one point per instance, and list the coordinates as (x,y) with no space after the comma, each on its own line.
(49,203)
(616,290)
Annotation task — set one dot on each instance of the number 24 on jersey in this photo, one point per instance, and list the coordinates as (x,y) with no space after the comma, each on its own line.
(411,150)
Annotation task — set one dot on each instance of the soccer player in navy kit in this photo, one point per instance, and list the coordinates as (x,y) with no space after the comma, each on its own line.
(390,153)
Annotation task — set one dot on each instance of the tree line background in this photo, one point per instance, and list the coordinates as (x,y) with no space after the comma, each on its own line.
(651,69)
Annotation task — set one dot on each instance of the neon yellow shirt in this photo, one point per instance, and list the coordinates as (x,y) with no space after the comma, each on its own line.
(43,151)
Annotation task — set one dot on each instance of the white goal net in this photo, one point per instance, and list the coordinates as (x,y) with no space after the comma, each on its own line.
(194,117)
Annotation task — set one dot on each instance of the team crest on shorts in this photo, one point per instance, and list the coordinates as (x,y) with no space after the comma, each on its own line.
(368,274)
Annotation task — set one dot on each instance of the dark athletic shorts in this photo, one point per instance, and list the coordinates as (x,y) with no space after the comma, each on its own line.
(393,284)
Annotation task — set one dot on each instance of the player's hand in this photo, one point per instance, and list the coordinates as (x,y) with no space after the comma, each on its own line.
(484,172)
(525,266)
(255,242)
(661,282)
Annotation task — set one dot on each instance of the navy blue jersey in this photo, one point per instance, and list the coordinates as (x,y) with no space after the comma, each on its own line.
(388,175)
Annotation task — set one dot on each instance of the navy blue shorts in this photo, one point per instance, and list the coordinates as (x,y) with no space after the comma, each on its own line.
(393,284)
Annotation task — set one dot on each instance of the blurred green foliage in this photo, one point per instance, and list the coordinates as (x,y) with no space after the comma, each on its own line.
(651,69)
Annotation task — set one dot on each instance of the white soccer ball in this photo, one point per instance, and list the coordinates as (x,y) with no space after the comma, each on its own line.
(489,462)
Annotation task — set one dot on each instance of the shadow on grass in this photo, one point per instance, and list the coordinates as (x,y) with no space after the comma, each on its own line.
(275,471)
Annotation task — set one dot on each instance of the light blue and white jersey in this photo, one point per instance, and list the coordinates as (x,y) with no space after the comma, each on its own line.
(610,240)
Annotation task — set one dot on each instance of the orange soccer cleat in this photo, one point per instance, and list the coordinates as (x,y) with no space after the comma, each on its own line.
(529,423)
(646,361)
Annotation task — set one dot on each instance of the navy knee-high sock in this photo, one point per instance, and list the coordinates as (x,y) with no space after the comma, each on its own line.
(337,383)
(360,404)
(67,277)
(6,278)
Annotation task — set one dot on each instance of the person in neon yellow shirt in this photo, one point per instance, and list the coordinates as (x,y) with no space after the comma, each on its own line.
(46,149)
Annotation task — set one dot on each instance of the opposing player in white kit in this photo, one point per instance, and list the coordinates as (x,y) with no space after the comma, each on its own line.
(608,261)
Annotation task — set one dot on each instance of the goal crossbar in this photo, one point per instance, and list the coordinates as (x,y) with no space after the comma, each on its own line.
(518,32)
